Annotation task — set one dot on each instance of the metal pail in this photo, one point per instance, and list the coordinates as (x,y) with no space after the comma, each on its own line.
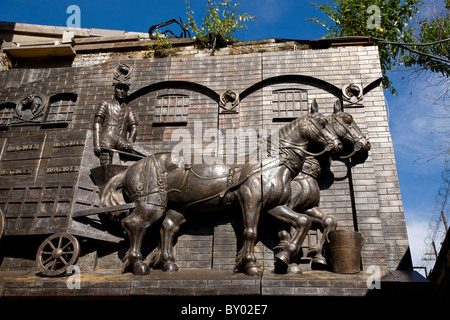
(345,251)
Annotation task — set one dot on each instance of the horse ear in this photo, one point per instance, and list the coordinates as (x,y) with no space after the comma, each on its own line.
(337,106)
(314,107)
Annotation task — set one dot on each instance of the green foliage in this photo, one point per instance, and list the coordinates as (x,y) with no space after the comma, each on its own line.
(358,18)
(162,44)
(220,23)
(432,29)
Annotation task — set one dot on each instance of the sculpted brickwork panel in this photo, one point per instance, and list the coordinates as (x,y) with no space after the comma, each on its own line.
(247,163)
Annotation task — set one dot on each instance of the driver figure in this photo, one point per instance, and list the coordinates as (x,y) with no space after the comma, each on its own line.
(115,125)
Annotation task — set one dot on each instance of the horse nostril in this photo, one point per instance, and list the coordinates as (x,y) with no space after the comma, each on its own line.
(365,144)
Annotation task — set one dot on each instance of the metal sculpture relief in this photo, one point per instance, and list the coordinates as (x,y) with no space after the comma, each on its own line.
(115,124)
(306,194)
(301,210)
(2,225)
(30,108)
(229,100)
(352,93)
(161,188)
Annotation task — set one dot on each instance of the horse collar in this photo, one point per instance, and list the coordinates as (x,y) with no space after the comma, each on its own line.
(292,160)
(312,168)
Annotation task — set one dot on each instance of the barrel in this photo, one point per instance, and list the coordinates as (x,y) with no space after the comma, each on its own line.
(345,251)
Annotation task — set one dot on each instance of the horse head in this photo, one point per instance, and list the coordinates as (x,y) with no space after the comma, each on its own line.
(311,135)
(320,132)
(356,145)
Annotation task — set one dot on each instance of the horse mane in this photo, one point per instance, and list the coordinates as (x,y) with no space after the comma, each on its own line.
(286,130)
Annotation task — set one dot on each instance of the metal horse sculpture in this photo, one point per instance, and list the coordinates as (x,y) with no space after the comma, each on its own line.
(162,188)
(304,203)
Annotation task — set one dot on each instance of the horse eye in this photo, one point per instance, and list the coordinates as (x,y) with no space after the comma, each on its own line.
(322,122)
(349,119)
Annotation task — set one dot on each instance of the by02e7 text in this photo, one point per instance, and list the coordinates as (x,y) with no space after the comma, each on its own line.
(247,309)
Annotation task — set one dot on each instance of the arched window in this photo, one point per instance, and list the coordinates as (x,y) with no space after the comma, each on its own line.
(289,104)
(61,107)
(171,108)
(6,113)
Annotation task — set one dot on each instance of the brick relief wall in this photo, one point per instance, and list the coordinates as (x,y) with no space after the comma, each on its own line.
(198,81)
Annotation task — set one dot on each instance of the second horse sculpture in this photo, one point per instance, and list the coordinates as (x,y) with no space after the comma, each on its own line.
(304,203)
(162,188)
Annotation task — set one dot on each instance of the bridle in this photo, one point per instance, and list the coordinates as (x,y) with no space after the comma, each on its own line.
(356,138)
(313,126)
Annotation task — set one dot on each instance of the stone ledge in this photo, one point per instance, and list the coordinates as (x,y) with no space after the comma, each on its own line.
(110,283)
(204,282)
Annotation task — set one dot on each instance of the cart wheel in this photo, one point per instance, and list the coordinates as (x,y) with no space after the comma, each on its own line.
(2,224)
(57,253)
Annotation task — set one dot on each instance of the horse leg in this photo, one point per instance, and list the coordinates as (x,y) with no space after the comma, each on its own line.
(170,226)
(136,224)
(301,223)
(327,224)
(251,209)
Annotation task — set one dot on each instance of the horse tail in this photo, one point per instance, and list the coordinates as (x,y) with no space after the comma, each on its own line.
(112,194)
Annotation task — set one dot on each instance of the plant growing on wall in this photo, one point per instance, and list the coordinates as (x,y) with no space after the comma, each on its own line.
(400,41)
(434,27)
(162,45)
(220,23)
(388,20)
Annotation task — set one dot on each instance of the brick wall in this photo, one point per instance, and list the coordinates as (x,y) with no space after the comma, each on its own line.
(261,74)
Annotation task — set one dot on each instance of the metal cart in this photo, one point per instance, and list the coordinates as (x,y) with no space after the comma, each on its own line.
(47,187)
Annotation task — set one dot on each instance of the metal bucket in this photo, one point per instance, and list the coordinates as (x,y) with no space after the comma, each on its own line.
(345,251)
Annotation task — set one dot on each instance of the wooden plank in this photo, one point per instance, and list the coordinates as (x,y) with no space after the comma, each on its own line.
(68,144)
(106,39)
(41,51)
(19,172)
(90,212)
(23,148)
(92,229)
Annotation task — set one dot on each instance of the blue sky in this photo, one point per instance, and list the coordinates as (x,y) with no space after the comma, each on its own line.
(411,114)
(283,19)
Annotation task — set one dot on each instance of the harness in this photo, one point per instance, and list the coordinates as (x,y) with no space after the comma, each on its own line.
(142,188)
(312,168)
(288,157)
(313,126)
(230,184)
(355,138)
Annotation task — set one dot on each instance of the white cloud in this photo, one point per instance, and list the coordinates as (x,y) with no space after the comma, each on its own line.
(417,232)
(418,122)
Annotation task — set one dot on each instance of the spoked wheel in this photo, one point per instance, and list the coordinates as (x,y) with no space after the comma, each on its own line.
(57,253)
(2,224)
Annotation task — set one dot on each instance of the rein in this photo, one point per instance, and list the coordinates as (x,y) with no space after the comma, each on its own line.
(356,148)
(293,145)
(299,146)
(291,160)
(236,184)
(357,145)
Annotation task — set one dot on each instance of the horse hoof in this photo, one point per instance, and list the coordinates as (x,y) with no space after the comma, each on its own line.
(319,260)
(169,267)
(280,267)
(282,257)
(294,269)
(141,269)
(253,271)
(319,263)
(281,263)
